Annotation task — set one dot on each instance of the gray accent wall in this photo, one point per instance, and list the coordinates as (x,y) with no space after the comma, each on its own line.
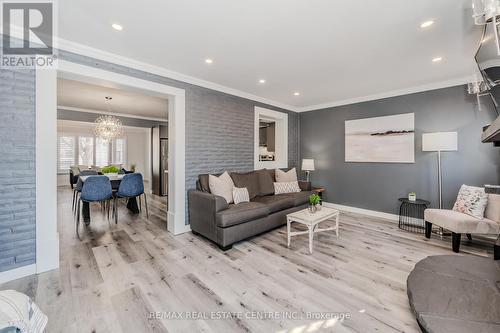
(377,186)
(17,162)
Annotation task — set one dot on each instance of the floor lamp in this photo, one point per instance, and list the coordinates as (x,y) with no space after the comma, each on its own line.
(440,141)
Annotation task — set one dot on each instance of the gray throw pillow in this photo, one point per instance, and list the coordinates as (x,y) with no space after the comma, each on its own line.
(250,180)
(266,181)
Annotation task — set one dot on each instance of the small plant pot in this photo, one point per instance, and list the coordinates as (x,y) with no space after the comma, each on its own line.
(412,197)
(312,209)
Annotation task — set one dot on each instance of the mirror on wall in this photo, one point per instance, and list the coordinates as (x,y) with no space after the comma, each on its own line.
(267,140)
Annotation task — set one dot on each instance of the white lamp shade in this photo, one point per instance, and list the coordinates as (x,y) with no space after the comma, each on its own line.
(440,141)
(308,164)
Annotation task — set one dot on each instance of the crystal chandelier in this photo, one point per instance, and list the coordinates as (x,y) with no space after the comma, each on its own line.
(487,12)
(108,127)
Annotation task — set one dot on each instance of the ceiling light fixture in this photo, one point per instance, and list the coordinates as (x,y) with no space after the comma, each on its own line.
(262,81)
(486,12)
(427,24)
(437,59)
(296,93)
(117,26)
(108,127)
(209,61)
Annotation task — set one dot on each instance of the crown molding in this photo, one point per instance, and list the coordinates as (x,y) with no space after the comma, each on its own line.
(118,114)
(393,93)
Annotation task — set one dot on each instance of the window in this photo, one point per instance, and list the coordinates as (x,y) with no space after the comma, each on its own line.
(119,151)
(101,152)
(86,150)
(66,153)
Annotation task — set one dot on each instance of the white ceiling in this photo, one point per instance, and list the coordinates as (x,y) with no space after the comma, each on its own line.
(330,51)
(84,96)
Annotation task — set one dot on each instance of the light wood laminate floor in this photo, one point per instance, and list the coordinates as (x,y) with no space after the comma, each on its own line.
(113,279)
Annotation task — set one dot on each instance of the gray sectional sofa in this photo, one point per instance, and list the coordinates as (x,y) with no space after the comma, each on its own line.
(225,224)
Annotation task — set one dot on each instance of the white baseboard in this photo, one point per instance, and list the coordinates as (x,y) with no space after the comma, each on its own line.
(374,213)
(176,230)
(17,273)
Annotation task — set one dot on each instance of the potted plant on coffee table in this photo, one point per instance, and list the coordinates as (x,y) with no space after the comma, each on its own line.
(314,201)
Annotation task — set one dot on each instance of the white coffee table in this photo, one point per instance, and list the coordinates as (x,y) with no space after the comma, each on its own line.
(312,220)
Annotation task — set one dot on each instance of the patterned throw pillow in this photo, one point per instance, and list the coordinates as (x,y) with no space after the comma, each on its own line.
(472,201)
(286,176)
(222,186)
(286,187)
(240,194)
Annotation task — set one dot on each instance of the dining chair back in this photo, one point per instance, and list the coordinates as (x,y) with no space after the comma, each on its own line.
(94,189)
(131,186)
(79,185)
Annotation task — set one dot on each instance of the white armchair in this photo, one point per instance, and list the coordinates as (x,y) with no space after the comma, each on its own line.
(459,223)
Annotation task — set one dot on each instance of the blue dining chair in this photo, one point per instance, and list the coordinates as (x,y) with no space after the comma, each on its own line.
(79,185)
(131,186)
(94,189)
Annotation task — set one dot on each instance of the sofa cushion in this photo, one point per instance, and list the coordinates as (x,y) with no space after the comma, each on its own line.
(300,198)
(222,186)
(250,180)
(493,208)
(265,182)
(460,222)
(286,176)
(240,195)
(203,184)
(275,203)
(240,213)
(286,187)
(471,200)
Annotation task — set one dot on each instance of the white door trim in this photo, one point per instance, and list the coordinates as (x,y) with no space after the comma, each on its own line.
(176,128)
(281,120)
(47,237)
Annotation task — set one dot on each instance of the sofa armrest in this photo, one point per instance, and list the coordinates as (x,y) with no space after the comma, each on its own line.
(202,209)
(305,185)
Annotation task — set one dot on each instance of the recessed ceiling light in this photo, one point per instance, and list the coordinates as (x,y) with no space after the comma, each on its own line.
(296,93)
(209,61)
(437,59)
(262,81)
(116,26)
(427,24)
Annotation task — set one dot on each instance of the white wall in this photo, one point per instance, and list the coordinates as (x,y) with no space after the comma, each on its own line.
(138,146)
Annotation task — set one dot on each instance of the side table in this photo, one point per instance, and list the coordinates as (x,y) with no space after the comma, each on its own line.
(319,191)
(411,215)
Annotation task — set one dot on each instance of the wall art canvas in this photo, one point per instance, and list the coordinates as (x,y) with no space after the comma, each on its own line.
(388,139)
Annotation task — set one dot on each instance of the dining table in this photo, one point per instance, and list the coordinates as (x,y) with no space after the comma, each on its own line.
(115,180)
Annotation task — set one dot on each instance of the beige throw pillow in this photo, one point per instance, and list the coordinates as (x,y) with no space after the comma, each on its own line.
(472,201)
(240,194)
(286,187)
(288,176)
(222,186)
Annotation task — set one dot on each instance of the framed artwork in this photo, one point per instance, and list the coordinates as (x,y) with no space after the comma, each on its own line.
(388,139)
